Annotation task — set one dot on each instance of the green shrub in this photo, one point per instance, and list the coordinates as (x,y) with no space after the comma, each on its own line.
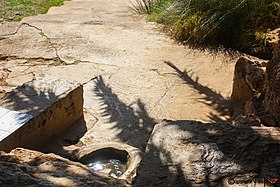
(15,10)
(225,22)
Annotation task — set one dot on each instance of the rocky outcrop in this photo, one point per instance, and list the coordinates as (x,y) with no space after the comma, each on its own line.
(272,94)
(257,90)
(23,167)
(272,38)
(191,153)
(248,79)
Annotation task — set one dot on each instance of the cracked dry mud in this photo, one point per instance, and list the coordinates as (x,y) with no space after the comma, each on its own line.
(133,74)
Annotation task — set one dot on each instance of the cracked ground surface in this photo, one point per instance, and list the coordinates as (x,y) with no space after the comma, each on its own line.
(82,40)
(133,74)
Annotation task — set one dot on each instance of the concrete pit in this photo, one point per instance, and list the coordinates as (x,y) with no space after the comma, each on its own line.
(111,159)
(108,161)
(39,111)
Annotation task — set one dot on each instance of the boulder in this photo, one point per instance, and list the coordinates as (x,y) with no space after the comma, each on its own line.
(248,79)
(191,153)
(23,167)
(272,85)
(272,38)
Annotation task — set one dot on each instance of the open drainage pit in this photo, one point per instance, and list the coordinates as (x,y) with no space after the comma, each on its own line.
(108,161)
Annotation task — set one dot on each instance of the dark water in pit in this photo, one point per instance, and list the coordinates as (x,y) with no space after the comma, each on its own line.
(112,167)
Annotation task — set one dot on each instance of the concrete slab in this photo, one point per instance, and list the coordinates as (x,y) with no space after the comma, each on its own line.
(38,111)
(10,121)
(105,38)
(3,111)
(4,134)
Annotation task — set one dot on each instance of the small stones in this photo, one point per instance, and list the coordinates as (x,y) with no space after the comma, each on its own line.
(248,120)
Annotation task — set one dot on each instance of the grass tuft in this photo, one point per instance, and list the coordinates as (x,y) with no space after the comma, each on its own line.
(15,10)
(240,24)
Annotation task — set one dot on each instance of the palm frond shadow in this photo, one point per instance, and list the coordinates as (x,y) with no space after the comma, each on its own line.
(29,99)
(209,96)
(36,101)
(134,123)
(135,127)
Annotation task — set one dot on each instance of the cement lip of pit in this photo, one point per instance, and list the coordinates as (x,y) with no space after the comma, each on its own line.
(128,159)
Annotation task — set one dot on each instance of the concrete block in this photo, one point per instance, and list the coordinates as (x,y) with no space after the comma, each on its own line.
(10,121)
(38,111)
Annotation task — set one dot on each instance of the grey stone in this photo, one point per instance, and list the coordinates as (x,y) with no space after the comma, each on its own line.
(248,79)
(191,153)
(272,97)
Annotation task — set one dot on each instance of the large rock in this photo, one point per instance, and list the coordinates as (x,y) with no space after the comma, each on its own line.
(272,95)
(248,79)
(272,38)
(257,91)
(22,167)
(190,153)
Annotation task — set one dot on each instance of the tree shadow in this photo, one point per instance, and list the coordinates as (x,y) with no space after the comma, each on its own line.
(28,99)
(254,149)
(209,155)
(209,97)
(47,102)
(158,169)
(132,120)
(135,127)
(230,154)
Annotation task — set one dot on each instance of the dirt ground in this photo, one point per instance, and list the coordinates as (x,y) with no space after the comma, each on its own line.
(133,74)
(82,40)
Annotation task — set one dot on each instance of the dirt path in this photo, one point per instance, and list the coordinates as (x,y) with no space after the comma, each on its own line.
(82,40)
(134,76)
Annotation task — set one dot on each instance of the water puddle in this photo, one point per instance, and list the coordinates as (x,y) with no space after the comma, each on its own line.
(108,161)
(111,167)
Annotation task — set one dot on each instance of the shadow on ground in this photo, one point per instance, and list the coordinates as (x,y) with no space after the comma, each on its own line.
(29,100)
(134,125)
(24,167)
(190,153)
(209,97)
(177,153)
(33,100)
(133,122)
(238,153)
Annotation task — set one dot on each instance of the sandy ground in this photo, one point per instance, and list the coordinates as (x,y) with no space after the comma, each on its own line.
(83,40)
(133,74)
